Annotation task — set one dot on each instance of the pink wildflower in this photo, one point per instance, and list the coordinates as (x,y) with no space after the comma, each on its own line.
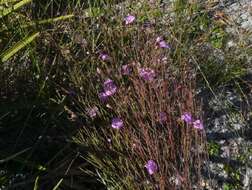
(197,124)
(129,19)
(151,167)
(104,56)
(147,74)
(92,112)
(126,69)
(103,96)
(163,44)
(187,117)
(109,87)
(117,123)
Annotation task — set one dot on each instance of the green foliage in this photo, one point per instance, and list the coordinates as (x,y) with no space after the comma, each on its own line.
(235,176)
(217,37)
(213,148)
(228,186)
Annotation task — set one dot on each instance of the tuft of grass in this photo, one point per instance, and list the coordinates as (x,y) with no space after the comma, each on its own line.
(178,149)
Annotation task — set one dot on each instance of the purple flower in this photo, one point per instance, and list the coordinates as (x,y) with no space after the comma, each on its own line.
(162,117)
(151,167)
(147,74)
(163,44)
(103,96)
(104,56)
(126,69)
(197,124)
(92,112)
(109,87)
(187,117)
(117,123)
(129,19)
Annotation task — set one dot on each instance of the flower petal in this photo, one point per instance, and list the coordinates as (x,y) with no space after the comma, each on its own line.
(129,19)
(117,123)
(151,167)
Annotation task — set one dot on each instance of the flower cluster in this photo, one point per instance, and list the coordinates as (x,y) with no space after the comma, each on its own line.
(147,74)
(187,117)
(109,89)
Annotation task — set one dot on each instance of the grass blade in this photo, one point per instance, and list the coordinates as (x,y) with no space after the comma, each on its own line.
(18,46)
(36,183)
(13,156)
(18,5)
(7,1)
(58,184)
(48,21)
